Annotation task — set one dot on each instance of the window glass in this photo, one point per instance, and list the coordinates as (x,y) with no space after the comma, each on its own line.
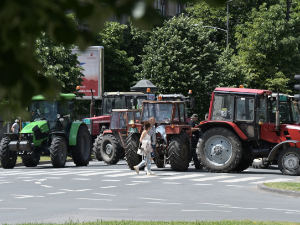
(114,120)
(160,112)
(123,118)
(43,110)
(176,118)
(244,108)
(262,111)
(223,107)
(181,108)
(112,103)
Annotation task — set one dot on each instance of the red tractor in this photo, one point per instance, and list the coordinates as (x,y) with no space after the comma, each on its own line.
(173,135)
(111,144)
(244,124)
(110,101)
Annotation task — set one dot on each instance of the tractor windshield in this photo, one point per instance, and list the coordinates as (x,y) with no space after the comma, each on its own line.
(41,110)
(160,112)
(112,103)
(131,103)
(288,112)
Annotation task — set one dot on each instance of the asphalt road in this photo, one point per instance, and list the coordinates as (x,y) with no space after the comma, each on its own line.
(102,192)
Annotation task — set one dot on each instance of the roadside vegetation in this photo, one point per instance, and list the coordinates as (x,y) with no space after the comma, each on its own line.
(223,222)
(291,186)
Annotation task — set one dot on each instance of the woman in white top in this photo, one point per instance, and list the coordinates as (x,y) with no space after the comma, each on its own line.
(147,158)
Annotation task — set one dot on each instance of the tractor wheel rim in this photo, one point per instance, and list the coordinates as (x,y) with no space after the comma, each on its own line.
(218,150)
(108,149)
(291,162)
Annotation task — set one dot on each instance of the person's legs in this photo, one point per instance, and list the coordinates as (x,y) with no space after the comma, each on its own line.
(153,153)
(137,167)
(148,161)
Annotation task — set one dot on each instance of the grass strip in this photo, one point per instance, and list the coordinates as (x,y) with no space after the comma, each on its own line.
(291,186)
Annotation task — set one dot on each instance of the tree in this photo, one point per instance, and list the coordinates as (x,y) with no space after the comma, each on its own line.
(23,21)
(118,69)
(180,56)
(268,48)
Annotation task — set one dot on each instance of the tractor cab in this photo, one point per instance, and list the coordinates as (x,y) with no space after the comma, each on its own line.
(121,100)
(57,113)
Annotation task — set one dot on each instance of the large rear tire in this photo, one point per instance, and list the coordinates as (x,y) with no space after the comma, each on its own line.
(58,152)
(220,150)
(179,152)
(30,160)
(81,152)
(159,160)
(289,161)
(132,144)
(109,149)
(8,158)
(96,147)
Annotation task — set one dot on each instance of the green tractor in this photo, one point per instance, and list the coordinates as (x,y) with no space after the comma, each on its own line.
(52,131)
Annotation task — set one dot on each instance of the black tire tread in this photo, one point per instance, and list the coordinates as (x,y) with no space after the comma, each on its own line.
(8,158)
(115,157)
(56,143)
(132,144)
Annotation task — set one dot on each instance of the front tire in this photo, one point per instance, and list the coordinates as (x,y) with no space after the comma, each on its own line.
(81,152)
(179,152)
(220,150)
(288,161)
(132,144)
(8,158)
(58,152)
(96,147)
(109,149)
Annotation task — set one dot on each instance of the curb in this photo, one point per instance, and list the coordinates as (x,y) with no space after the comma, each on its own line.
(279,191)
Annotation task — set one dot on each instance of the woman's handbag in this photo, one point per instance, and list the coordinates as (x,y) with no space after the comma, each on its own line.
(139,151)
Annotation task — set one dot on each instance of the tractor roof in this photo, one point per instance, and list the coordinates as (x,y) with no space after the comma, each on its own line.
(64,96)
(163,102)
(124,93)
(243,90)
(126,110)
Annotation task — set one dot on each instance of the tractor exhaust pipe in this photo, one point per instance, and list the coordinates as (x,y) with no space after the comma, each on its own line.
(277,112)
(92,106)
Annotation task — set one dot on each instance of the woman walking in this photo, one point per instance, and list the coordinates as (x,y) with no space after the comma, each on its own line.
(146,154)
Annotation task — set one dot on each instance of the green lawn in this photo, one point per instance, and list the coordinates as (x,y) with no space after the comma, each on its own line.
(292,186)
(223,222)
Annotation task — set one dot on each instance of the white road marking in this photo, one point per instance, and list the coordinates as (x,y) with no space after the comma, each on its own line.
(234,207)
(170,183)
(103,209)
(141,181)
(80,190)
(121,174)
(37,182)
(154,199)
(290,210)
(104,194)
(212,178)
(97,173)
(111,180)
(69,173)
(132,184)
(11,208)
(165,203)
(212,204)
(95,199)
(108,187)
(292,213)
(54,178)
(204,210)
(273,180)
(81,179)
(56,193)
(202,184)
(29,196)
(182,177)
(47,186)
(5,182)
(232,185)
(241,179)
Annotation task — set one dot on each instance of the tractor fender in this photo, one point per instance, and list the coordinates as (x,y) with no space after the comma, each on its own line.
(206,125)
(107,132)
(73,132)
(274,150)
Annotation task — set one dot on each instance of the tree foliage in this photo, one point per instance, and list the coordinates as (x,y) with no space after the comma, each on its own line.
(180,56)
(268,48)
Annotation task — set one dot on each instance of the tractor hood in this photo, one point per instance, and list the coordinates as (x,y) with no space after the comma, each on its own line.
(42,125)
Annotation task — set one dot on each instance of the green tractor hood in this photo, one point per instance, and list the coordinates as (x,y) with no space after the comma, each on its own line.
(39,129)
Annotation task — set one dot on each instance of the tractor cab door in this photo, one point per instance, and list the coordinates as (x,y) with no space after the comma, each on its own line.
(123,127)
(244,115)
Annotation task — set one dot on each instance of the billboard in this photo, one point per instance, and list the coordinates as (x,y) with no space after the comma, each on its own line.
(92,60)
